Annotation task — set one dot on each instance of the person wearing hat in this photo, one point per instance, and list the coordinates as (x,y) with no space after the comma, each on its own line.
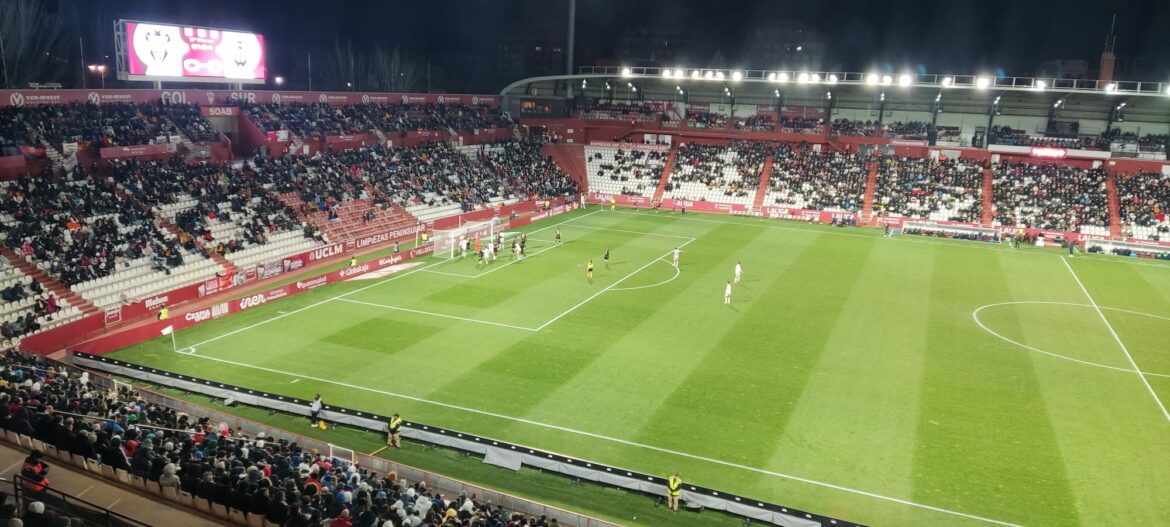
(394,428)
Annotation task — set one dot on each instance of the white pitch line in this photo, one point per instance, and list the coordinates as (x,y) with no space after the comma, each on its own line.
(433,314)
(343,295)
(664,282)
(619,441)
(461,275)
(1117,338)
(610,286)
(527,256)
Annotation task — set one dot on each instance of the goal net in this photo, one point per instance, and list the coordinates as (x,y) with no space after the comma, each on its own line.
(447,240)
(944,230)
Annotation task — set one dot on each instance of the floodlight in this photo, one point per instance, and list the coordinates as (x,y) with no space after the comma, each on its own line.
(696,74)
(1040,85)
(802,78)
(814,77)
(872,79)
(832,79)
(982,82)
(905,80)
(783,77)
(719,75)
(1111,87)
(709,75)
(678,73)
(948,81)
(666,73)
(626,72)
(887,80)
(772,76)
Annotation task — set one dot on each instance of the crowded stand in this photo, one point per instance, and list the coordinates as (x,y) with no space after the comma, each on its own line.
(805,179)
(632,172)
(110,124)
(617,111)
(1145,143)
(725,174)
(104,246)
(800,125)
(932,189)
(760,122)
(218,208)
(306,120)
(189,118)
(1005,135)
(1142,199)
(1049,196)
(27,307)
(909,130)
(261,477)
(523,167)
(409,117)
(713,120)
(16,136)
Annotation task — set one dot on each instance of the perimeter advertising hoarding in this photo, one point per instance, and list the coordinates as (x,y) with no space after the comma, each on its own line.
(165,52)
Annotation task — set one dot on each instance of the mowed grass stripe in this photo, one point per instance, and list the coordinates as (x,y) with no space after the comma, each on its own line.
(985,439)
(523,371)
(740,394)
(867,424)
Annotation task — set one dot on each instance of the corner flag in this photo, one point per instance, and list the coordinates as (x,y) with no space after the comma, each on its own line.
(168,330)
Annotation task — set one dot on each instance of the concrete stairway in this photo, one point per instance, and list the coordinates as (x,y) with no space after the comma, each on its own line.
(666,170)
(1114,205)
(571,160)
(57,288)
(762,190)
(350,223)
(871,170)
(988,198)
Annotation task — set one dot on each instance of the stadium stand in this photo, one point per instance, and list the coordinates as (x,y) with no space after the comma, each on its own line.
(617,112)
(211,466)
(923,188)
(729,174)
(1142,199)
(189,118)
(1005,135)
(804,179)
(761,122)
(110,124)
(626,171)
(714,120)
(323,119)
(16,132)
(523,167)
(1049,196)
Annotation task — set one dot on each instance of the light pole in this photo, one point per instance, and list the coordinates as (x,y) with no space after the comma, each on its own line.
(99,69)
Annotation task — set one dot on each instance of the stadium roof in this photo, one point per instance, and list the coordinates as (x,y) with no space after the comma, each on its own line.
(1078,99)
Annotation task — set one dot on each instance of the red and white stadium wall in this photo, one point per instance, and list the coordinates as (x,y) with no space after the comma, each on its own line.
(228,97)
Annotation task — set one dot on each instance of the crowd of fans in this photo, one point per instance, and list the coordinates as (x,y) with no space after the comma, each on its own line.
(696,119)
(1005,135)
(189,118)
(908,130)
(1048,196)
(732,170)
(222,193)
(1142,198)
(800,125)
(760,122)
(319,119)
(522,165)
(15,133)
(803,178)
(108,124)
(617,111)
(281,481)
(79,229)
(410,117)
(1146,143)
(924,188)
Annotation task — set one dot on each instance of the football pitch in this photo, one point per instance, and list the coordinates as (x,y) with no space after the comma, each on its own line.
(903,381)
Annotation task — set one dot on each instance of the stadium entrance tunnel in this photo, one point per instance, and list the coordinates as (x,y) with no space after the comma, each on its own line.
(1075,332)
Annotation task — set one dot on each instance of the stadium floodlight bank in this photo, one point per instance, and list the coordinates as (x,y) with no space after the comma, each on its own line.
(965,232)
(447,240)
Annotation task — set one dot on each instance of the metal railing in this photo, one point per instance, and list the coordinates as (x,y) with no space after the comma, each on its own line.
(67,505)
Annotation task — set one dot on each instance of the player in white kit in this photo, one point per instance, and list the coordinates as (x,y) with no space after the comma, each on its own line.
(727,294)
(738,272)
(676,251)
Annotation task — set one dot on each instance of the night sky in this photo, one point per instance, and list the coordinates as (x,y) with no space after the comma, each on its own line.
(460,36)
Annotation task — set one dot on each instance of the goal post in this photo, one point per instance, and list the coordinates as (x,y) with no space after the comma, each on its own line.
(447,240)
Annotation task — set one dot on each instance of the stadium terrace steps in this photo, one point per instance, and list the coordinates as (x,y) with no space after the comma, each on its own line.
(765,177)
(666,170)
(571,160)
(1114,205)
(350,224)
(50,284)
(988,199)
(871,170)
(216,257)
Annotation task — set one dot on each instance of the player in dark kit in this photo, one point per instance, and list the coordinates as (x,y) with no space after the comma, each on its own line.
(606,257)
(558,235)
(589,270)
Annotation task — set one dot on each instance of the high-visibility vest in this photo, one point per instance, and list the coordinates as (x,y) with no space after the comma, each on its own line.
(395,424)
(674,482)
(164,313)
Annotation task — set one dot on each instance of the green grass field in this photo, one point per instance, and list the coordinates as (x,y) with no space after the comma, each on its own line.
(904,381)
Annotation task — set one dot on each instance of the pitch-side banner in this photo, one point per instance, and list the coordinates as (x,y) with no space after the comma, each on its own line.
(230,97)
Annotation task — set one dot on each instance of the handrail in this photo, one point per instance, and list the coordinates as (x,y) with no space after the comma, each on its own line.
(63,501)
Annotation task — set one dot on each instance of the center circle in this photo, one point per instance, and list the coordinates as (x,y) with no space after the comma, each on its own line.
(975,315)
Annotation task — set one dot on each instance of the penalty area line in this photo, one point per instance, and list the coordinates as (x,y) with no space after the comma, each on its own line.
(625,442)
